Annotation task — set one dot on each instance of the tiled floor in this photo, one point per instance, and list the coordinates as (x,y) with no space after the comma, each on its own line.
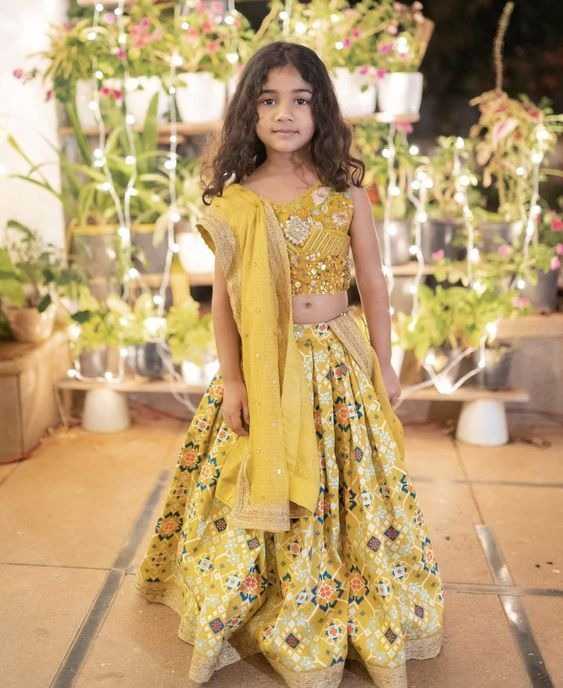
(77,515)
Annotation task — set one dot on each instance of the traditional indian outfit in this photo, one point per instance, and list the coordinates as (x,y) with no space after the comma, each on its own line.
(302,540)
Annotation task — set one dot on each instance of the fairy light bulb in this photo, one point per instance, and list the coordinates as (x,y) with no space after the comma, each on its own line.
(402,45)
(414,149)
(413,249)
(537,157)
(430,358)
(91,35)
(395,190)
(300,28)
(176,60)
(520,171)
(130,160)
(459,143)
(444,386)
(99,74)
(130,119)
(386,153)
(520,283)
(283,15)
(491,329)
(474,255)
(339,45)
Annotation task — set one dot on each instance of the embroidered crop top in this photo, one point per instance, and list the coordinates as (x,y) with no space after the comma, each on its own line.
(316,228)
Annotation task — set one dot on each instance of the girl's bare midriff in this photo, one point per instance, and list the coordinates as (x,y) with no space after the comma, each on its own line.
(313,308)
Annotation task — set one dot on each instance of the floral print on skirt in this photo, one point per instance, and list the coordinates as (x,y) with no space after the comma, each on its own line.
(358,579)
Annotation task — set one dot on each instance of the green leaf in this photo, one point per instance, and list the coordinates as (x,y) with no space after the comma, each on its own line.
(45,302)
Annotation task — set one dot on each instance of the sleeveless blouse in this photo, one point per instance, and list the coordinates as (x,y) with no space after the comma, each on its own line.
(316,226)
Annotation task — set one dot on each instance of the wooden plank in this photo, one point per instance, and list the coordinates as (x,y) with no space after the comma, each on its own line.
(134,384)
(466,394)
(530,326)
(187,129)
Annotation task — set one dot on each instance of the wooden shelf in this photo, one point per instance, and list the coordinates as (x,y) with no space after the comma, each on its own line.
(531,326)
(466,394)
(134,384)
(187,129)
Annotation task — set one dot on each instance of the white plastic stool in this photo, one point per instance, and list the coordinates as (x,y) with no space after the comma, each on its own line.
(482,421)
(105,410)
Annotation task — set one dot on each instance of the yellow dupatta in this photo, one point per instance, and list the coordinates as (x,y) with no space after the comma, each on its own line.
(274,473)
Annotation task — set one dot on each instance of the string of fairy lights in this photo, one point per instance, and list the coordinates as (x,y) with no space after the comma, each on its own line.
(419,184)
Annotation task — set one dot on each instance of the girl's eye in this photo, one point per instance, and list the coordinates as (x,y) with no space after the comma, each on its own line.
(301,101)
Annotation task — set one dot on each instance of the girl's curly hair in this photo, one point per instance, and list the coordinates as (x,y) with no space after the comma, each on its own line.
(239,151)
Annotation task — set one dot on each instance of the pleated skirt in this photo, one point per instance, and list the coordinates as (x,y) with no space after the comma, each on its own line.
(356,580)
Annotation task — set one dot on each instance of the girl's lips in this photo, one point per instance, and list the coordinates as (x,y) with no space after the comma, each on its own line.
(282,131)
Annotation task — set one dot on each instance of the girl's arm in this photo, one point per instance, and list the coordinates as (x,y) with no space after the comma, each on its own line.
(227,340)
(373,288)
(369,276)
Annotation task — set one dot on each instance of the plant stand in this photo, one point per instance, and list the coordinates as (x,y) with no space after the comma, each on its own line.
(105,410)
(482,422)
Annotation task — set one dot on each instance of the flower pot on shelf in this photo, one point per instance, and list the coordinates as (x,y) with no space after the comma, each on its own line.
(202,99)
(101,362)
(356,95)
(85,90)
(492,234)
(496,372)
(438,235)
(149,359)
(138,94)
(29,325)
(543,294)
(400,93)
(153,254)
(400,233)
(195,255)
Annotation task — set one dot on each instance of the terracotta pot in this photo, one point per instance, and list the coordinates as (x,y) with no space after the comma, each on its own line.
(29,325)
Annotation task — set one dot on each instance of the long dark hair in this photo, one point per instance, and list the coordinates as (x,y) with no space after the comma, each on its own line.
(239,151)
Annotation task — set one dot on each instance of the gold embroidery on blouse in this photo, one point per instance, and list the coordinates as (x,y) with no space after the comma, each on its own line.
(316,228)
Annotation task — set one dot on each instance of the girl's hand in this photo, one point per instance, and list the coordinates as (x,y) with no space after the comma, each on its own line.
(392,384)
(235,407)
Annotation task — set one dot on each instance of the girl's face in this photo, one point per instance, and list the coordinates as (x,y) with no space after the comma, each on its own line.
(285,118)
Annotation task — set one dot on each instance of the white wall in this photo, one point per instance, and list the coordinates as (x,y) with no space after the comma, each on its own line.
(25,114)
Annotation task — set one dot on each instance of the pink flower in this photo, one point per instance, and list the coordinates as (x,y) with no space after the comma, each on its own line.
(559,249)
(405,127)
(217,8)
(49,94)
(438,255)
(555,263)
(557,224)
(520,301)
(356,33)
(417,6)
(121,54)
(385,48)
(505,250)
(110,18)
(213,46)
(392,29)
(18,73)
(380,73)
(207,26)
(503,129)
(346,43)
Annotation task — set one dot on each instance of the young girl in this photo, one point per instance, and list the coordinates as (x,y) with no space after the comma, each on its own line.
(291,527)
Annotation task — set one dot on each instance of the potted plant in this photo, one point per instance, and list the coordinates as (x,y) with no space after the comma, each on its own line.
(511,139)
(191,342)
(211,44)
(399,51)
(100,330)
(342,36)
(371,141)
(453,181)
(28,272)
(450,319)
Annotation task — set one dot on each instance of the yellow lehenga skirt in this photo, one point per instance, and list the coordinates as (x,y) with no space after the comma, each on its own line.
(357,580)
